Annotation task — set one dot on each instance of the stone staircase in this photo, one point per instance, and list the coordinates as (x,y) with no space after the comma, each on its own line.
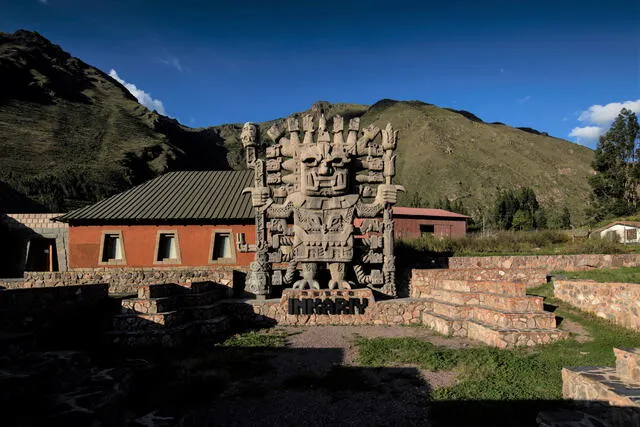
(602,396)
(169,314)
(424,279)
(494,312)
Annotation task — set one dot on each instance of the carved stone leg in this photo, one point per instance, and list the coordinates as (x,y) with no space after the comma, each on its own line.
(308,277)
(337,276)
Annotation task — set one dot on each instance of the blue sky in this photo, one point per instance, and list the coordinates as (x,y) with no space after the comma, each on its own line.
(564,67)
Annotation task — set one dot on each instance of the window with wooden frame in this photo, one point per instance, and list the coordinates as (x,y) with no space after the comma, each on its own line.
(222,247)
(112,248)
(632,234)
(167,247)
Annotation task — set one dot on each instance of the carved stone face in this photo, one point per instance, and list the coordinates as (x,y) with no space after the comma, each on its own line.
(249,133)
(324,170)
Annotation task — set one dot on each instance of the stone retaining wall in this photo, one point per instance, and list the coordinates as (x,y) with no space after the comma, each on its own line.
(547,262)
(125,280)
(617,302)
(29,309)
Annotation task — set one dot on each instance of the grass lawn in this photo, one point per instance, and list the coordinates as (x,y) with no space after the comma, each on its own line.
(493,387)
(615,275)
(506,385)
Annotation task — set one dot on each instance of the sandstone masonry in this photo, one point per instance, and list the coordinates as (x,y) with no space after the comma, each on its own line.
(126,280)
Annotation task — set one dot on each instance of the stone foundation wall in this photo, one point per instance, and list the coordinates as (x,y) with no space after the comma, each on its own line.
(547,262)
(125,280)
(617,302)
(30,309)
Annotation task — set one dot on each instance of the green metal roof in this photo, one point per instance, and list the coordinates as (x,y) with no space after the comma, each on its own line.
(175,196)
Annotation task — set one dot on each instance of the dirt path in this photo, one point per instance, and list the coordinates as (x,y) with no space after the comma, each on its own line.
(315,381)
(343,337)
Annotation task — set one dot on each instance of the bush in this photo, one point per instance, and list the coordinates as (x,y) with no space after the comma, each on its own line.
(509,242)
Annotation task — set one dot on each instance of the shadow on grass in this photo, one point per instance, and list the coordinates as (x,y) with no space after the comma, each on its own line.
(275,386)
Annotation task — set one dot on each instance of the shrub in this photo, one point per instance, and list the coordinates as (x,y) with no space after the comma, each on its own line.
(508,242)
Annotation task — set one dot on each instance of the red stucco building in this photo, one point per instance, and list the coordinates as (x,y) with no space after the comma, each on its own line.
(180,219)
(195,219)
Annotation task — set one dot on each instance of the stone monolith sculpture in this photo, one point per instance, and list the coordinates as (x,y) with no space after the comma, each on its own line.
(323,199)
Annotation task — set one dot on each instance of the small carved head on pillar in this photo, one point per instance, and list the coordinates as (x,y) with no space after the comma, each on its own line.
(249,134)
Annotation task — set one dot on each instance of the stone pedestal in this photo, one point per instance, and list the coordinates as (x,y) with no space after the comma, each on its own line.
(327,302)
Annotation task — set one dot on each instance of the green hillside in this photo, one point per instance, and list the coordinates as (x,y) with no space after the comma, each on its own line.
(453,154)
(70,135)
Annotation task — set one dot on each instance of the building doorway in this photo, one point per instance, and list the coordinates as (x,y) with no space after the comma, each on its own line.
(42,255)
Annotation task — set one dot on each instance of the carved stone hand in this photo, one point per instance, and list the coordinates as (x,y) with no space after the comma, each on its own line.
(388,193)
(370,132)
(259,196)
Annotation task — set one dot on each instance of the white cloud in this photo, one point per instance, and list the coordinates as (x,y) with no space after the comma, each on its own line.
(587,133)
(523,100)
(605,114)
(173,62)
(143,97)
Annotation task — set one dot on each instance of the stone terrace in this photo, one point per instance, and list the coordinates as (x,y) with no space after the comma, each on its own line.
(604,396)
(494,312)
(169,314)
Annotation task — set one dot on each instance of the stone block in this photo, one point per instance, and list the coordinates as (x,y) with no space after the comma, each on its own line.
(153,291)
(628,364)
(146,306)
(599,384)
(141,322)
(454,311)
(514,320)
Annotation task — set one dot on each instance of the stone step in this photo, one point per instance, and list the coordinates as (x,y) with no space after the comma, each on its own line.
(133,322)
(196,299)
(501,302)
(453,311)
(590,414)
(444,325)
(12,343)
(528,276)
(146,305)
(508,337)
(204,312)
(170,337)
(212,328)
(487,286)
(514,320)
(591,383)
(628,364)
(205,286)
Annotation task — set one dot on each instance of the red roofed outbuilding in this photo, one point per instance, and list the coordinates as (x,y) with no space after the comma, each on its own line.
(411,223)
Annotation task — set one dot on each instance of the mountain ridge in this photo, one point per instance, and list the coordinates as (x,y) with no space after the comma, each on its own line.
(70,135)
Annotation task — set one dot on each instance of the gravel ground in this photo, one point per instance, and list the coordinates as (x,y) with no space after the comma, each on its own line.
(315,381)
